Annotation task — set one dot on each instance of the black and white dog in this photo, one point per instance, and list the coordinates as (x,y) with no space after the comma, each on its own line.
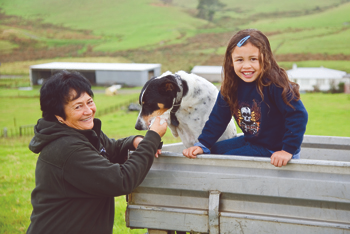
(184,101)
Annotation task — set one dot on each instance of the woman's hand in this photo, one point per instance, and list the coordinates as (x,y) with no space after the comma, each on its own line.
(159,128)
(159,151)
(280,158)
(137,141)
(192,151)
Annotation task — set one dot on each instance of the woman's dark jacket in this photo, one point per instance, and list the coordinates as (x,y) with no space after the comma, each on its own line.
(78,174)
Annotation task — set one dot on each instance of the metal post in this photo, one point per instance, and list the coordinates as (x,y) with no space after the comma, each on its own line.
(214,200)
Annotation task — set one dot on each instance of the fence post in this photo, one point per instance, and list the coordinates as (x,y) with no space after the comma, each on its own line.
(5,131)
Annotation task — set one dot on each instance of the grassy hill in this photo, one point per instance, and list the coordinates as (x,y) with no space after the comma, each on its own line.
(172,34)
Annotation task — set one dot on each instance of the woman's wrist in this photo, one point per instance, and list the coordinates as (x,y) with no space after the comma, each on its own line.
(137,141)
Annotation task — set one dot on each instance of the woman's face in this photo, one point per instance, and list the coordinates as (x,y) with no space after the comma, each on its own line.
(80,112)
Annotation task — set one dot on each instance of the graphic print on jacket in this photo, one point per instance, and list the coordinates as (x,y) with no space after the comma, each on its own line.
(248,117)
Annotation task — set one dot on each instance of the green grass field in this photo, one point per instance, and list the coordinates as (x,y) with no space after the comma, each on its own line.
(313,26)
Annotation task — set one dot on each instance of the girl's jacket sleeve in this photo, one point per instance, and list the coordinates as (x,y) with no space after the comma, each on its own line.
(295,121)
(216,125)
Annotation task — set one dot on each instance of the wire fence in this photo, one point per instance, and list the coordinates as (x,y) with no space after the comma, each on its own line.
(114,108)
(28,130)
(25,130)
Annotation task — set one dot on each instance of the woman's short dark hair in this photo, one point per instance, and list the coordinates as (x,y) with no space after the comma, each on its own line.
(55,92)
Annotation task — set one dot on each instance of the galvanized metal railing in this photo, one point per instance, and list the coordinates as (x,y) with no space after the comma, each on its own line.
(236,194)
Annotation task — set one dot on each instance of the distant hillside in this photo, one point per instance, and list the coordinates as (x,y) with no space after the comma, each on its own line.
(172,33)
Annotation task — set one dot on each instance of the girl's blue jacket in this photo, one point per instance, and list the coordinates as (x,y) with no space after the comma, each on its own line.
(267,121)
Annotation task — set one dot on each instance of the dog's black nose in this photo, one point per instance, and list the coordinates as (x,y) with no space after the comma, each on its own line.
(139,125)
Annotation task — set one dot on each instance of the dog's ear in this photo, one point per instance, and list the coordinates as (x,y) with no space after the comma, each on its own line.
(168,86)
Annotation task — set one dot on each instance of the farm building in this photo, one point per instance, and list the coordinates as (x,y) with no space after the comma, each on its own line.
(130,74)
(211,73)
(311,78)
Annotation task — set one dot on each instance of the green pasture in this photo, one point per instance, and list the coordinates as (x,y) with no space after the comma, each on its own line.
(121,24)
(107,16)
(327,32)
(315,26)
(333,17)
(6,46)
(250,8)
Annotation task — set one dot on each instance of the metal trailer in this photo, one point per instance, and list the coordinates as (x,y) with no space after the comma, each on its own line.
(235,194)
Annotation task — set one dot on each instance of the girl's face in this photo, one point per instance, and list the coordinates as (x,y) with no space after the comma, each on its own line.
(246,62)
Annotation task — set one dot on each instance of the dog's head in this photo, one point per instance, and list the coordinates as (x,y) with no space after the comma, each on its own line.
(156,97)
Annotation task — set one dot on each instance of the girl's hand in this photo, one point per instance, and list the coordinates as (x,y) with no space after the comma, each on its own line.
(192,151)
(280,158)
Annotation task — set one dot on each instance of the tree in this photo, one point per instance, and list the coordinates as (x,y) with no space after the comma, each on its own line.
(207,8)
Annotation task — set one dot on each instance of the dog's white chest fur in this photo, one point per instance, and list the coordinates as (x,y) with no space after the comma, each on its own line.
(195,109)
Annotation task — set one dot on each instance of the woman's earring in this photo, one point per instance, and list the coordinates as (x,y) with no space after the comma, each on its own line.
(60,121)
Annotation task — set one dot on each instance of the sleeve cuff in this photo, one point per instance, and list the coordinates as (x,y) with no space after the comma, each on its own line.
(132,140)
(290,149)
(205,149)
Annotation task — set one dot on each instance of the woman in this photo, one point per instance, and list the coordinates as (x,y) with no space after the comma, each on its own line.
(80,170)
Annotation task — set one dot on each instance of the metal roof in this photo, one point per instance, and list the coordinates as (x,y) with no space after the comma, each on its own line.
(207,69)
(96,66)
(295,73)
(314,73)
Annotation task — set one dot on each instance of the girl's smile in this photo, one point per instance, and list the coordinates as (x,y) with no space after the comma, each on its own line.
(246,62)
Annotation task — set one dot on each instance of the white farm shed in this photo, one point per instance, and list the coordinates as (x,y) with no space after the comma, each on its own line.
(130,74)
(310,78)
(211,73)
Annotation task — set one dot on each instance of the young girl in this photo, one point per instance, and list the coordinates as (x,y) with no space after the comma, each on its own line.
(264,103)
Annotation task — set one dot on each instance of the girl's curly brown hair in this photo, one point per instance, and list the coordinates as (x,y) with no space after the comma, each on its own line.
(270,70)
